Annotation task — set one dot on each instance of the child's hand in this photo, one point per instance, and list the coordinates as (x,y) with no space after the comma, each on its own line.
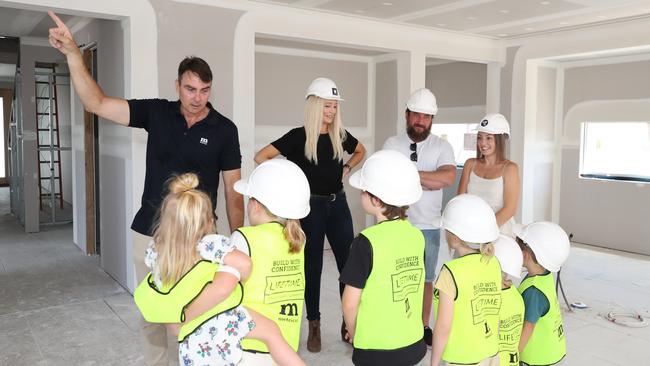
(349,337)
(174,328)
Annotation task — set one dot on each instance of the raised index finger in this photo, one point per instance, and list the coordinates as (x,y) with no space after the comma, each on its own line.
(56,20)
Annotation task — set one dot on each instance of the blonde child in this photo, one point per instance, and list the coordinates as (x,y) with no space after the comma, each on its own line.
(187,260)
(384,274)
(545,247)
(467,293)
(279,198)
(511,315)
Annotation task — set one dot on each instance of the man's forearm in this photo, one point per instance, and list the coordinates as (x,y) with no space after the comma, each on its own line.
(235,210)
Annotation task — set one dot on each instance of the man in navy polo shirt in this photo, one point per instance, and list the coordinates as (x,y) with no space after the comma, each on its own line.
(187,135)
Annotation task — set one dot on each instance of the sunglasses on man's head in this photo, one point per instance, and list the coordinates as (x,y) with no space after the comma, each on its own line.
(414,154)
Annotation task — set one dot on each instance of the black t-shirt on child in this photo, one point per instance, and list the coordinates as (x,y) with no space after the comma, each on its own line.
(325,177)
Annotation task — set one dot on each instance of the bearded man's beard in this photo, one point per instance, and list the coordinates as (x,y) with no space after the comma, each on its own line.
(418,136)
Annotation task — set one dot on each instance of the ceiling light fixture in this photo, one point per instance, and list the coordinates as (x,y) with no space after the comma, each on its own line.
(387,4)
(471,18)
(503,34)
(529,28)
(504,11)
(544,2)
(564,23)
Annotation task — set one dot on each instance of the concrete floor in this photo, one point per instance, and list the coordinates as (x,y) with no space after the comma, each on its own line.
(57,307)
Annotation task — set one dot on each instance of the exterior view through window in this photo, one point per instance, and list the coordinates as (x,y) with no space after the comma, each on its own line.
(461,136)
(615,150)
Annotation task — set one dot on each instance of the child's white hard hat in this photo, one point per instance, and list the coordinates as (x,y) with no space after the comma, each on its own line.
(470,218)
(548,241)
(509,255)
(390,176)
(280,186)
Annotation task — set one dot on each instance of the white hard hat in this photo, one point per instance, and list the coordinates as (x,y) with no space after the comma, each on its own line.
(281,186)
(509,255)
(323,88)
(422,101)
(470,218)
(494,124)
(390,176)
(548,241)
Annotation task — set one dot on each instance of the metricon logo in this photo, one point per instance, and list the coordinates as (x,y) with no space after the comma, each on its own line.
(290,309)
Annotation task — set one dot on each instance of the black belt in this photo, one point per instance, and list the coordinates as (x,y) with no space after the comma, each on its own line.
(329,197)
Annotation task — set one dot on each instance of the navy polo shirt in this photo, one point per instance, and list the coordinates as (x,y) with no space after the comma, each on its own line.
(208,147)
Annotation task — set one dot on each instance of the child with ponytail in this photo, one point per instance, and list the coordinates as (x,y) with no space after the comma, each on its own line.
(467,293)
(188,260)
(279,195)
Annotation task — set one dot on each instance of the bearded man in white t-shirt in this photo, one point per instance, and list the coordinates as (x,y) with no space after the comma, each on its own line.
(434,158)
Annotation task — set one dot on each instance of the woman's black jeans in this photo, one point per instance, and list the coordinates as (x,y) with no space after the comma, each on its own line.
(329,215)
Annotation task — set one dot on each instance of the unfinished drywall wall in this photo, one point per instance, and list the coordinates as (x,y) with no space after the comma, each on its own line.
(460,90)
(388,110)
(612,214)
(281,82)
(114,153)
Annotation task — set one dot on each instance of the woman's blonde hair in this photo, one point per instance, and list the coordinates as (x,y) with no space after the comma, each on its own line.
(487,250)
(186,215)
(292,230)
(314,121)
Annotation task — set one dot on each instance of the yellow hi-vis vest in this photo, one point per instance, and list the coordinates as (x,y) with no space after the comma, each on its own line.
(473,336)
(167,305)
(511,321)
(390,308)
(547,344)
(276,285)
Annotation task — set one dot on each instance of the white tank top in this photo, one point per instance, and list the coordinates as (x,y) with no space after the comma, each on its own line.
(491,191)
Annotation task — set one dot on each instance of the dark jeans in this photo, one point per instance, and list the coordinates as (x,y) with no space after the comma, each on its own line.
(328,216)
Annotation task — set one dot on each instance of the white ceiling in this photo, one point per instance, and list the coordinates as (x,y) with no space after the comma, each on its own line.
(494,18)
(28,23)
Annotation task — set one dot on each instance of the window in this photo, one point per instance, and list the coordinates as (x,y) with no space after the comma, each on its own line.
(461,136)
(615,150)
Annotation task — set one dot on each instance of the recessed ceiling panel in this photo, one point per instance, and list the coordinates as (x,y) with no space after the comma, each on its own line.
(312,46)
(381,8)
(495,12)
(569,21)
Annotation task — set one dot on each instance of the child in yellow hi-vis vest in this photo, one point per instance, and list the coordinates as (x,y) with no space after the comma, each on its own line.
(511,315)
(384,274)
(545,247)
(279,195)
(187,260)
(467,293)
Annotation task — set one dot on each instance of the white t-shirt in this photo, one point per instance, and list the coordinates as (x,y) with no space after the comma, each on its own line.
(433,153)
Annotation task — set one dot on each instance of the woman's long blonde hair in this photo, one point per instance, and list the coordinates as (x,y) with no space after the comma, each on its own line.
(293,232)
(314,121)
(186,215)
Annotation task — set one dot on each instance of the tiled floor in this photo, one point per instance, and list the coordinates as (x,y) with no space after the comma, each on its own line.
(57,307)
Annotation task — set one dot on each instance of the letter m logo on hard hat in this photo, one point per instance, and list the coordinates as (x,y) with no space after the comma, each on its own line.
(335,91)
(290,309)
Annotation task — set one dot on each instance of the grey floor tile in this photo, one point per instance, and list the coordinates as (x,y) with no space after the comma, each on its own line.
(17,343)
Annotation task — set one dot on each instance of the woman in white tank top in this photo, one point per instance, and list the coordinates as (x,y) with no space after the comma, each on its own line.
(490,175)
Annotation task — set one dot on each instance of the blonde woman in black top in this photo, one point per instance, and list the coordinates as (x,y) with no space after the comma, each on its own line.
(318,148)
